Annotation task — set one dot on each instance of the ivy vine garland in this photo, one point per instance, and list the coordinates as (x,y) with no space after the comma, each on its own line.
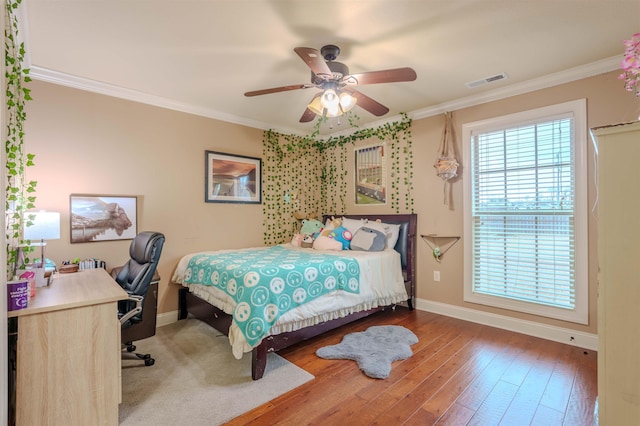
(306,177)
(19,192)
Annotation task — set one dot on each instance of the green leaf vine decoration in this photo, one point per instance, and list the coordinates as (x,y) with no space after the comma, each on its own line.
(304,176)
(19,193)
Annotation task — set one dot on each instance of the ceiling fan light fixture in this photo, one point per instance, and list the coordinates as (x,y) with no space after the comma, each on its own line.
(347,101)
(316,106)
(330,99)
(333,78)
(334,111)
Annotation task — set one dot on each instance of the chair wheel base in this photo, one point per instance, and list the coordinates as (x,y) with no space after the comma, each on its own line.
(148,361)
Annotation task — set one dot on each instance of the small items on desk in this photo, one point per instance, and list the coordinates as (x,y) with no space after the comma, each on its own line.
(67,269)
(82,264)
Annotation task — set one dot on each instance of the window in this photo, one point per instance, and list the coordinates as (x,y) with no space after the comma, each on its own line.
(526,212)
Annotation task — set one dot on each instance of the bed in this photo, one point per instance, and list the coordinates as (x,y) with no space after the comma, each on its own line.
(384,279)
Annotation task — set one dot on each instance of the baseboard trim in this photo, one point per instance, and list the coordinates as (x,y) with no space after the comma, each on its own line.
(543,331)
(166,318)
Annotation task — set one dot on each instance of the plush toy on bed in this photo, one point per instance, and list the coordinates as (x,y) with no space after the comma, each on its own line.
(331,224)
(309,231)
(341,235)
(333,237)
(312,227)
(307,241)
(326,243)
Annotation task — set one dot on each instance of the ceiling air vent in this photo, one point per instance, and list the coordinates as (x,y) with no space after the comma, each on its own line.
(486,80)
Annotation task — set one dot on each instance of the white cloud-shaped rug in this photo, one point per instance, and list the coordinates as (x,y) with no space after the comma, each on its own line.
(373,349)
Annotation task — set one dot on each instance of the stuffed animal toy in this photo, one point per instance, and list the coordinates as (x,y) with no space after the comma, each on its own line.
(312,227)
(302,240)
(296,241)
(307,241)
(326,243)
(333,224)
(368,239)
(340,234)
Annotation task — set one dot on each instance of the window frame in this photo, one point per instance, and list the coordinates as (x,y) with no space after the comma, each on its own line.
(578,111)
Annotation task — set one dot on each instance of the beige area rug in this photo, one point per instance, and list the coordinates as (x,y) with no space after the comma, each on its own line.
(196,380)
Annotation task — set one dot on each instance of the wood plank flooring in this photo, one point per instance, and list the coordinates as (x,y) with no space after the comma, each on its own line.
(460,373)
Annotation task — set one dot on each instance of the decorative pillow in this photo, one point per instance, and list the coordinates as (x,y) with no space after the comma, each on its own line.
(393,235)
(352,224)
(368,239)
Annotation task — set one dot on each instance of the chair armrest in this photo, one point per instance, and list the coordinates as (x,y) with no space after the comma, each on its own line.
(135,311)
(115,271)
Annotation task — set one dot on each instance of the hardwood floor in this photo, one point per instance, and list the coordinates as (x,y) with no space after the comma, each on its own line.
(460,373)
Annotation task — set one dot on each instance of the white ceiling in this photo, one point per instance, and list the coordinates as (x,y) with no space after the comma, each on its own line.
(201,56)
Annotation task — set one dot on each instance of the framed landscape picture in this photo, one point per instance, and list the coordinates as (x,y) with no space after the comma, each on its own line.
(232,178)
(103,217)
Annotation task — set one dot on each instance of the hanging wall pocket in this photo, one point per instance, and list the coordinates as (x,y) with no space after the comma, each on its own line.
(446,165)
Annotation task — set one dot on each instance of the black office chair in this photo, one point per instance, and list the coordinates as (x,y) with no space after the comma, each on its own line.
(138,277)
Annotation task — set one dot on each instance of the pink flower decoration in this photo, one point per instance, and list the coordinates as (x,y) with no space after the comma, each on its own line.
(631,64)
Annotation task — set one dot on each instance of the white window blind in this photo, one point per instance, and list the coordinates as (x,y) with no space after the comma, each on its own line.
(522,218)
(523,206)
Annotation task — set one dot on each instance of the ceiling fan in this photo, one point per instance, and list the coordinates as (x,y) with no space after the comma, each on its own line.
(338,95)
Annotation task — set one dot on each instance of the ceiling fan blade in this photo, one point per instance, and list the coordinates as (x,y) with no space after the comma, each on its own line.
(307,116)
(314,60)
(278,89)
(374,107)
(384,76)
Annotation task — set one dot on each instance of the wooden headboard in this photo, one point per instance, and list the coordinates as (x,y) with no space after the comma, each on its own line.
(406,244)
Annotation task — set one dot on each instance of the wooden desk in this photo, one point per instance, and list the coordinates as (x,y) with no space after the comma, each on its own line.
(68,352)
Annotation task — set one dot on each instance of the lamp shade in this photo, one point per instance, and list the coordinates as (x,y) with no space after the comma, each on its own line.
(316,106)
(46,226)
(330,99)
(347,101)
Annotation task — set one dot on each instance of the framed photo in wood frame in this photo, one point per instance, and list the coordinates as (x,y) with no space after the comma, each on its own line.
(102,217)
(231,178)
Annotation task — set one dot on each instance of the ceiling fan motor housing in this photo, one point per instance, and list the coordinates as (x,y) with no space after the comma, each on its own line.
(330,52)
(338,70)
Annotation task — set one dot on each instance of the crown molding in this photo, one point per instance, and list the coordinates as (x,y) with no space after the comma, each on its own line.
(63,79)
(566,76)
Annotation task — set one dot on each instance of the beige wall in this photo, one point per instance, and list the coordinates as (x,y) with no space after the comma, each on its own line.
(93,144)
(607,103)
(89,143)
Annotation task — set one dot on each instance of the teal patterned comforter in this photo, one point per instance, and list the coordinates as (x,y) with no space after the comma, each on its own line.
(267,282)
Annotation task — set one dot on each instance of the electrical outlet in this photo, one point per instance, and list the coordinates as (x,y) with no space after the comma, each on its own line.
(436,276)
